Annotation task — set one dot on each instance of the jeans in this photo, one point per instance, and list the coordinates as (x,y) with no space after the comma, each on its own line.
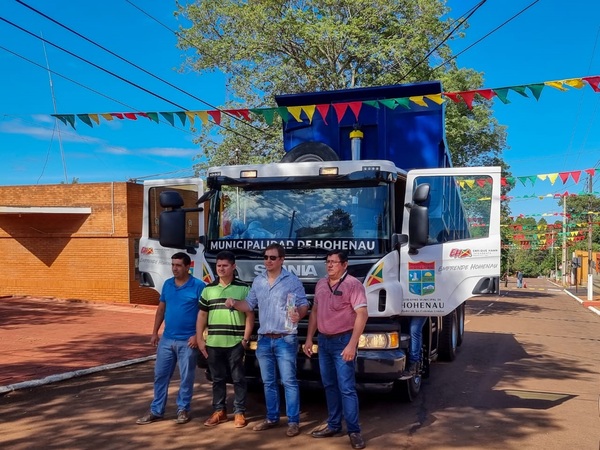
(169,353)
(416,338)
(223,361)
(274,354)
(339,383)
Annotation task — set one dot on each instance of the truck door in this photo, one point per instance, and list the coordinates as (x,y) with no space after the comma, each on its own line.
(460,256)
(154,259)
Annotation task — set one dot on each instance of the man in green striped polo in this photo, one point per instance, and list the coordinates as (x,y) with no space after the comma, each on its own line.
(228,336)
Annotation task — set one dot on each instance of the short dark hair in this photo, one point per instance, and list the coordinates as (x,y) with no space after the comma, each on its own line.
(280,249)
(184,257)
(227,256)
(340,254)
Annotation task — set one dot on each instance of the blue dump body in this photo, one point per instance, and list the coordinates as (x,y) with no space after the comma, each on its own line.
(411,138)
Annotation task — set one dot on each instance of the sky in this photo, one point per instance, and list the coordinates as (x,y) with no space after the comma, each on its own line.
(549,41)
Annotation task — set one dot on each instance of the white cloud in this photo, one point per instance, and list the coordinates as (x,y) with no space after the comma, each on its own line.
(168,152)
(44,133)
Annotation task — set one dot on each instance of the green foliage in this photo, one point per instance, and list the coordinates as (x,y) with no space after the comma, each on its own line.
(271,47)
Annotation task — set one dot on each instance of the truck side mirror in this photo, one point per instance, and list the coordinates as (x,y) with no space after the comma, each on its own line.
(421,195)
(170,199)
(418,228)
(172,228)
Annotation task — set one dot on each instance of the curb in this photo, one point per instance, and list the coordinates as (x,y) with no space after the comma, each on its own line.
(582,302)
(68,375)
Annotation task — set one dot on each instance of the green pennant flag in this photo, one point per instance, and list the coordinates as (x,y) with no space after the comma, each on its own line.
(520,90)
(389,102)
(283,112)
(502,94)
(152,116)
(405,102)
(510,180)
(267,113)
(373,103)
(85,119)
(522,180)
(168,116)
(533,178)
(67,119)
(182,117)
(536,89)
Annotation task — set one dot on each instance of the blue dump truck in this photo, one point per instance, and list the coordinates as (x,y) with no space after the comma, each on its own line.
(371,175)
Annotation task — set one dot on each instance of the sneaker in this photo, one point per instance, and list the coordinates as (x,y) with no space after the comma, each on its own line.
(182,417)
(239,420)
(147,418)
(265,425)
(216,418)
(293,430)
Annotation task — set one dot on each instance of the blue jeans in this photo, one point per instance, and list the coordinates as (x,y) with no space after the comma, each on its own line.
(274,354)
(223,361)
(416,338)
(339,383)
(169,353)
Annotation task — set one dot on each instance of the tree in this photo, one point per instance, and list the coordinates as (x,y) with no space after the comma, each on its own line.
(271,47)
(582,209)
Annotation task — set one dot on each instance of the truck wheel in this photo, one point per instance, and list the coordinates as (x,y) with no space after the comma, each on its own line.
(310,151)
(449,337)
(407,390)
(461,323)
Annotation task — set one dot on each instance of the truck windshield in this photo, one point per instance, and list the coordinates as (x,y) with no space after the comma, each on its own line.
(355,219)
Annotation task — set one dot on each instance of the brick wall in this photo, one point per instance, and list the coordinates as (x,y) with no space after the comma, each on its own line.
(78,256)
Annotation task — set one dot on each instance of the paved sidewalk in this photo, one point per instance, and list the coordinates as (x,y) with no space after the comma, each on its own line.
(45,338)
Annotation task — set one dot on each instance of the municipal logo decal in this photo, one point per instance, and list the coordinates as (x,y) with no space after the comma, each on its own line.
(421,278)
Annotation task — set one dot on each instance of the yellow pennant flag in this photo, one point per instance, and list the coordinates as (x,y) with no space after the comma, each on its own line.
(295,111)
(418,99)
(552,177)
(309,111)
(556,84)
(107,117)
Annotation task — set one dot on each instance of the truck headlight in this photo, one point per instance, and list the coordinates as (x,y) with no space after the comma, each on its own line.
(379,341)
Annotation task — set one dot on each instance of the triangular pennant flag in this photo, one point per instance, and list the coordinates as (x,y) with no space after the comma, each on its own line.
(556,85)
(575,82)
(95,118)
(510,180)
(355,108)
(404,102)
(389,102)
(168,116)
(552,177)
(453,96)
(542,177)
(245,113)
(564,176)
(324,109)
(152,116)
(67,119)
(520,90)
(203,117)
(130,116)
(594,82)
(216,115)
(340,109)
(309,111)
(283,113)
(295,111)
(481,182)
(373,103)
(502,94)
(533,178)
(418,99)
(468,97)
(108,117)
(266,113)
(523,180)
(470,183)
(436,98)
(536,90)
(575,175)
(117,115)
(85,119)
(488,94)
(182,117)
(590,172)
(192,116)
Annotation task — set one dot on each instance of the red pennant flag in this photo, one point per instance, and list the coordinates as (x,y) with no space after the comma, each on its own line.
(564,176)
(355,107)
(468,97)
(130,116)
(323,110)
(340,109)
(486,93)
(590,172)
(117,115)
(575,175)
(453,96)
(216,115)
(481,182)
(593,82)
(503,181)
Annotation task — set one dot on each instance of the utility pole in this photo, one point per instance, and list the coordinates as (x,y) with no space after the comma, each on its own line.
(564,245)
(590,278)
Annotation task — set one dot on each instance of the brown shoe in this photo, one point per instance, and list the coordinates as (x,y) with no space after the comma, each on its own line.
(239,420)
(293,430)
(182,417)
(265,425)
(216,418)
(147,418)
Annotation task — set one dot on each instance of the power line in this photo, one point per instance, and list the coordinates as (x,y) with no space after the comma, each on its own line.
(147,72)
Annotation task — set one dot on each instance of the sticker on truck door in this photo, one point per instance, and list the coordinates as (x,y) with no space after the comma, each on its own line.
(421,278)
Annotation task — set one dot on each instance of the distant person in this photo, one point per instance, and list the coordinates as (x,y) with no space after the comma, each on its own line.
(519,279)
(228,337)
(277,336)
(178,309)
(339,313)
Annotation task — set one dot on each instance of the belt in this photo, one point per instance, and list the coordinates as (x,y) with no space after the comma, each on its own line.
(330,336)
(275,335)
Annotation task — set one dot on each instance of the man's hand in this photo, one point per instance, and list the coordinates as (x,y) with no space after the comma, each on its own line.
(192,343)
(154,339)
(202,347)
(308,345)
(349,353)
(230,303)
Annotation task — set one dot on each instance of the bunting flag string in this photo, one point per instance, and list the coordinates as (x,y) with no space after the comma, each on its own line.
(340,109)
(575,175)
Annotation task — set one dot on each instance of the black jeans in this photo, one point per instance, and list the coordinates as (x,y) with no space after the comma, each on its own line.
(224,362)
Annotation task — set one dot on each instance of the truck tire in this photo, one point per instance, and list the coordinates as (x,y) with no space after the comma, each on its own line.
(461,310)
(407,390)
(449,337)
(310,151)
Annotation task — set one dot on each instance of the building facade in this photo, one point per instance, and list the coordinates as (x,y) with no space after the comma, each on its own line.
(72,241)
